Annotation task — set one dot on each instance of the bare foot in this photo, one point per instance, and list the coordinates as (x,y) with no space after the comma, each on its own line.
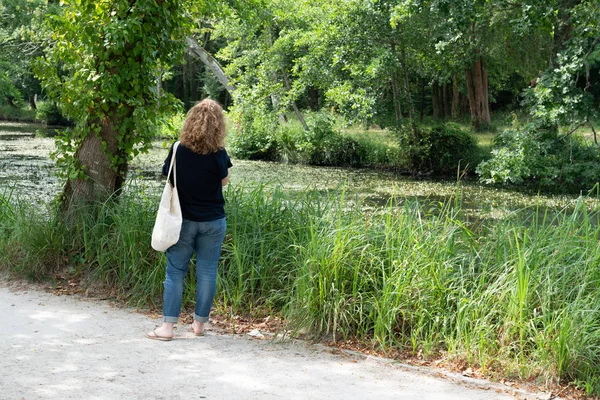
(198,328)
(163,332)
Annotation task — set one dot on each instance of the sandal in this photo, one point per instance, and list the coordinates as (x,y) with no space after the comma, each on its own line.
(154,336)
(197,334)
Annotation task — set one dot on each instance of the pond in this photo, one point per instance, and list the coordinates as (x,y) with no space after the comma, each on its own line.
(27,170)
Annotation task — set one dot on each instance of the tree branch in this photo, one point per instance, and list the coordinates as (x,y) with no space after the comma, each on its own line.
(208,60)
(286,81)
(595,136)
(586,122)
(575,129)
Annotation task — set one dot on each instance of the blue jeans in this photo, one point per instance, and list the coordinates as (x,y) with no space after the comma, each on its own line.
(205,238)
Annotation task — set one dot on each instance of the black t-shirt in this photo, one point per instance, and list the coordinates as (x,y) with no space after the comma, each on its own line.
(199,182)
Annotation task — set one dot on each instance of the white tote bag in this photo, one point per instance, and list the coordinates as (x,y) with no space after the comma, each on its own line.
(168,219)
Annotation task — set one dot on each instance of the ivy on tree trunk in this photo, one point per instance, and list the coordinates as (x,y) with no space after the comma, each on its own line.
(102,68)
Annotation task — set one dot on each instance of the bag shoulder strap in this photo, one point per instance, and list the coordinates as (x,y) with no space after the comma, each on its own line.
(172,165)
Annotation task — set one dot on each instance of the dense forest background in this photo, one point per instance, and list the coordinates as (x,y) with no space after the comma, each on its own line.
(294,74)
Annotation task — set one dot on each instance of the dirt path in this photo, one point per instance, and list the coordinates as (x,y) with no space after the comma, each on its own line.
(68,347)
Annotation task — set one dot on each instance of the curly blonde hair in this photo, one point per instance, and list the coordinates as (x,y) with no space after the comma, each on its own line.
(204,131)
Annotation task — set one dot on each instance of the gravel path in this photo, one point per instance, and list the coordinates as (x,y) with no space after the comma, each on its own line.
(69,347)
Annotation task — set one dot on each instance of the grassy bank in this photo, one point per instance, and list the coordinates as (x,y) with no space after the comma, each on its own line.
(8,113)
(519,296)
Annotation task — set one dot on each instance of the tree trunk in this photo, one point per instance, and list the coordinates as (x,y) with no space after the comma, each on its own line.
(159,83)
(32,104)
(444,98)
(102,179)
(471,94)
(411,113)
(396,94)
(477,86)
(441,99)
(184,84)
(286,81)
(455,98)
(447,100)
(314,98)
(464,104)
(435,100)
(485,95)
(422,105)
(211,63)
(194,82)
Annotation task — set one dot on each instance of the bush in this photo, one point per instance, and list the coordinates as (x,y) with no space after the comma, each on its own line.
(258,136)
(9,113)
(49,113)
(439,149)
(291,144)
(171,126)
(379,155)
(325,146)
(338,150)
(537,155)
(253,133)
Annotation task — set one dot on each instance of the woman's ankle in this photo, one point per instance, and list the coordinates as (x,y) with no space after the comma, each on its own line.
(198,326)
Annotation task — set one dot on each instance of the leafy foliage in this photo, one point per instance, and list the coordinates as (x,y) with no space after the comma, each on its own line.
(50,114)
(171,126)
(263,139)
(558,98)
(441,149)
(21,37)
(8,89)
(537,155)
(253,133)
(102,66)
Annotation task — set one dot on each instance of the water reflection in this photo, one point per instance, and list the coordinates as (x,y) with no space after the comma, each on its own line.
(25,167)
(9,137)
(19,129)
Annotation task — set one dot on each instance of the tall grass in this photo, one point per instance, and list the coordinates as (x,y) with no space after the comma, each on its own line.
(520,295)
(107,243)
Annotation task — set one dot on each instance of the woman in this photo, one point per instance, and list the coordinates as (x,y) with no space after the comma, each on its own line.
(202,171)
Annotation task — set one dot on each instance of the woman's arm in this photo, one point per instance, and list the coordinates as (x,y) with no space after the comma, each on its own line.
(225,180)
(167,163)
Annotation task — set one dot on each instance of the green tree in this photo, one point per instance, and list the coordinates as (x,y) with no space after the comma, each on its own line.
(561,97)
(302,52)
(21,40)
(370,61)
(485,40)
(563,94)
(101,68)
(259,54)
